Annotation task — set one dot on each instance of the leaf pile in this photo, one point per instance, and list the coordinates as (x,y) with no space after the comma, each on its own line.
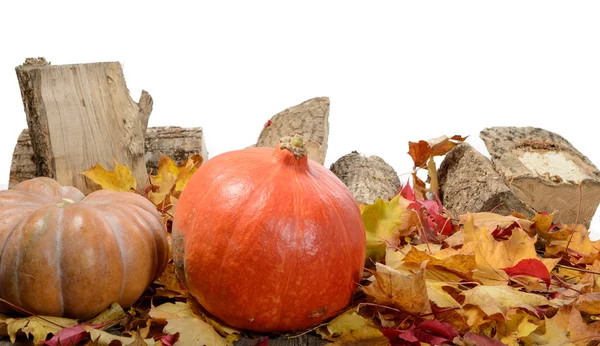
(431,278)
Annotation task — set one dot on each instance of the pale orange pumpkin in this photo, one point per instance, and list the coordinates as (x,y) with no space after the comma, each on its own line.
(65,254)
(268,240)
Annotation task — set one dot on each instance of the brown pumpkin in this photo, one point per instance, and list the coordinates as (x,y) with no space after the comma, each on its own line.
(268,240)
(65,254)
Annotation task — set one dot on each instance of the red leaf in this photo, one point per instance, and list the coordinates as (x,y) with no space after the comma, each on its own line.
(395,335)
(408,193)
(530,267)
(436,327)
(169,339)
(68,336)
(482,340)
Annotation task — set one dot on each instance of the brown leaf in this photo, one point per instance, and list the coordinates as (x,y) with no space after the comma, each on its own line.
(420,152)
(404,292)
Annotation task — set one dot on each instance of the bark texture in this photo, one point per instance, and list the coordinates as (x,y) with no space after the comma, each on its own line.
(176,142)
(545,171)
(80,115)
(469,184)
(310,119)
(367,177)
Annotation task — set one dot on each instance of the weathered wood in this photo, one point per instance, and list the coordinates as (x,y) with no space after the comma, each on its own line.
(545,171)
(302,340)
(80,115)
(310,119)
(176,142)
(367,177)
(469,184)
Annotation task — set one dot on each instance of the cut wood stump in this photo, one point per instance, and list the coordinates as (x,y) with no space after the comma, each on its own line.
(175,142)
(309,119)
(367,177)
(545,171)
(80,115)
(469,184)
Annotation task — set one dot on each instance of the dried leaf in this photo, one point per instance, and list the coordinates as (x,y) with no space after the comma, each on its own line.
(37,326)
(405,292)
(120,179)
(419,152)
(192,330)
(441,298)
(531,267)
(102,338)
(499,299)
(517,326)
(351,327)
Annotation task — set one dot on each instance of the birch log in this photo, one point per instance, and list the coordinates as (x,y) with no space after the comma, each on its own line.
(79,115)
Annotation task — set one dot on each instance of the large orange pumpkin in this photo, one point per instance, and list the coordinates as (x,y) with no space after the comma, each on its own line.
(64,254)
(268,240)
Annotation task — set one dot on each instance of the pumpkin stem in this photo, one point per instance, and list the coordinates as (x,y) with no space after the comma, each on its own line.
(294,144)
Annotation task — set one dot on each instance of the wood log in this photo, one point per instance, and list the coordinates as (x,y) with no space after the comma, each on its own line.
(545,171)
(367,177)
(310,119)
(176,142)
(469,184)
(79,115)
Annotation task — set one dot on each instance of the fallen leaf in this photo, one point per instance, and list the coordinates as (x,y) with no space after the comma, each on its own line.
(580,333)
(192,330)
(111,315)
(435,332)
(498,299)
(385,223)
(37,326)
(169,339)
(120,179)
(450,259)
(482,340)
(419,152)
(405,292)
(517,326)
(437,294)
(102,338)
(548,334)
(351,327)
(530,267)
(492,221)
(589,303)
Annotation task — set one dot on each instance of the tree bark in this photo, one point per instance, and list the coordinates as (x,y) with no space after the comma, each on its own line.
(80,115)
(175,142)
(310,119)
(545,171)
(367,177)
(469,184)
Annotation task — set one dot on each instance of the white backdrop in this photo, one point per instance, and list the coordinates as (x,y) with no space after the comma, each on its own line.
(395,71)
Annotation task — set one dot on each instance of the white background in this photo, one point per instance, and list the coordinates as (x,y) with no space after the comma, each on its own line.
(395,71)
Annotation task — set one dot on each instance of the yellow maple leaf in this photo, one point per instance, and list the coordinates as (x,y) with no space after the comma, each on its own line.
(448,258)
(491,221)
(385,223)
(102,338)
(37,326)
(350,327)
(492,255)
(517,326)
(580,333)
(498,299)
(437,294)
(548,334)
(192,331)
(586,250)
(120,179)
(171,179)
(405,292)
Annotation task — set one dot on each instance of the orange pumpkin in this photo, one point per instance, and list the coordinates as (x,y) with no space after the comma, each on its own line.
(64,254)
(268,240)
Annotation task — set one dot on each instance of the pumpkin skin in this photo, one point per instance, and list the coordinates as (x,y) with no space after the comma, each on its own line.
(267,241)
(65,254)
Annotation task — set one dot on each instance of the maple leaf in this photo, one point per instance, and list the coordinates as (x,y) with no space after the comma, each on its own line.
(102,338)
(120,179)
(531,267)
(482,340)
(448,259)
(419,152)
(437,294)
(589,303)
(37,326)
(429,213)
(435,332)
(72,335)
(192,330)
(498,299)
(581,249)
(580,333)
(491,255)
(171,179)
(405,292)
(385,223)
(517,326)
(493,221)
(548,334)
(351,327)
